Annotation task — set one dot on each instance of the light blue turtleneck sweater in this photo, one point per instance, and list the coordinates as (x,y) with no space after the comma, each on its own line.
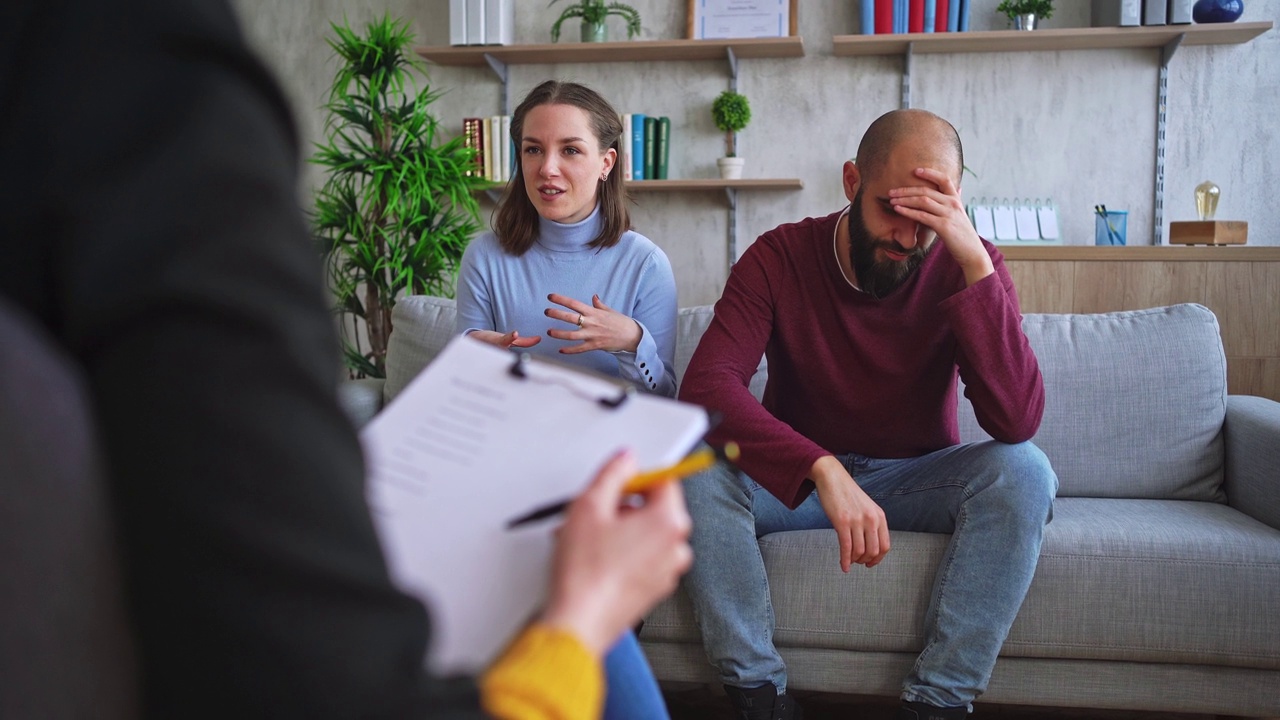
(502,292)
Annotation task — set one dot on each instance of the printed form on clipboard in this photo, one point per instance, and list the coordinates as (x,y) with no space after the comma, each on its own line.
(483,435)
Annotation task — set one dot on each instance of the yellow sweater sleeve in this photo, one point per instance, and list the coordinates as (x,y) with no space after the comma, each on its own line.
(545,674)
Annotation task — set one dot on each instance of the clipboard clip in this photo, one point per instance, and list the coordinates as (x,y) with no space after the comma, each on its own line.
(520,368)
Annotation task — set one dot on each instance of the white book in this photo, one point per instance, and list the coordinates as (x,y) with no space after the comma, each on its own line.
(499,148)
(499,22)
(508,149)
(488,148)
(457,22)
(475,22)
(625,146)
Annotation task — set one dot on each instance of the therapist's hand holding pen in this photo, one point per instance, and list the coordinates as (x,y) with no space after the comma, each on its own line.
(614,562)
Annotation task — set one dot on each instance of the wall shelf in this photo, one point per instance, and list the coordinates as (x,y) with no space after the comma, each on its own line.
(1148,36)
(716,184)
(1166,38)
(627,51)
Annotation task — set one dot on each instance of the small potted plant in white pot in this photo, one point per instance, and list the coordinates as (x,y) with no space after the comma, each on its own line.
(731,113)
(593,14)
(1024,14)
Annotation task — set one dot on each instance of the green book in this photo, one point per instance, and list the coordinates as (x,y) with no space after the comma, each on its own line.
(650,135)
(662,148)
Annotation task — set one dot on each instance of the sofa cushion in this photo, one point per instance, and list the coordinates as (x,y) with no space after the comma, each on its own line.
(1157,581)
(425,324)
(1134,402)
(690,325)
(422,326)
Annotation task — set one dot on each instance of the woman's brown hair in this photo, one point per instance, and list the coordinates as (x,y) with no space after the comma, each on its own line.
(517,220)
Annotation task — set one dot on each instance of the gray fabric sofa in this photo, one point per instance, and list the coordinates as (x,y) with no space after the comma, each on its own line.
(1159,580)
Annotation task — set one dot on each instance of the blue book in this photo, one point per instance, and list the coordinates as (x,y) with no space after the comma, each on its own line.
(900,16)
(953,16)
(930,14)
(964,15)
(637,146)
(868,17)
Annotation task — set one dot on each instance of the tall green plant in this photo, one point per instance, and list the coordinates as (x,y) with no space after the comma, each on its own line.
(398,208)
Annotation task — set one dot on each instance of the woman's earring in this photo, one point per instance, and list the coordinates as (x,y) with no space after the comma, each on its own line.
(604,176)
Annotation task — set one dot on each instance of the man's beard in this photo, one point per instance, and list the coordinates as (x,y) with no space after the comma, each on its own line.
(878,278)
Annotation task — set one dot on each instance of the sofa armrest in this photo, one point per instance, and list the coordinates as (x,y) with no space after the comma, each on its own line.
(361,399)
(1252,434)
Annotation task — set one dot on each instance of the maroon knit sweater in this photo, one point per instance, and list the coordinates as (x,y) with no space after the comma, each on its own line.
(849,373)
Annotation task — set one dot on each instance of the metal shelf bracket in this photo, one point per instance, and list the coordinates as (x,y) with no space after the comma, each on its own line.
(500,69)
(908,61)
(1162,104)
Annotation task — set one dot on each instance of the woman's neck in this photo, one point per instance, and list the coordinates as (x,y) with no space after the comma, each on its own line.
(560,237)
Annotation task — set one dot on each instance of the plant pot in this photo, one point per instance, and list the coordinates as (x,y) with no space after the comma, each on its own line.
(595,32)
(1025,22)
(730,167)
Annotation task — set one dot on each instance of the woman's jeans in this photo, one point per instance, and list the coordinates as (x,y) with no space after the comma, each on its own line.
(631,691)
(994,498)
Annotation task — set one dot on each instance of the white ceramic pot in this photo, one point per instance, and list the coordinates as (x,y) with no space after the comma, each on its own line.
(730,167)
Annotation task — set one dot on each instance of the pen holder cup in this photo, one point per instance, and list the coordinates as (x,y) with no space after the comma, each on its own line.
(1115,235)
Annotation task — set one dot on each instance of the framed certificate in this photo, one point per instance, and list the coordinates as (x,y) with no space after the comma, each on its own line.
(722,19)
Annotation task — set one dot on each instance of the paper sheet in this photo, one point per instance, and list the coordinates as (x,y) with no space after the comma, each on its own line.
(466,447)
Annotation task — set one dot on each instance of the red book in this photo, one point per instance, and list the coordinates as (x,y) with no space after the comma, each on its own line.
(915,18)
(940,24)
(884,16)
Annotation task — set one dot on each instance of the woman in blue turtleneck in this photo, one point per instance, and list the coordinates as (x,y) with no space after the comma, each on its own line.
(564,275)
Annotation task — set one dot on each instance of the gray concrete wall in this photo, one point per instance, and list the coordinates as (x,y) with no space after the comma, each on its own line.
(1075,126)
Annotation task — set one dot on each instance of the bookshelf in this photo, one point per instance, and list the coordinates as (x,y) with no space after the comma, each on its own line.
(622,51)
(1165,38)
(498,57)
(1147,36)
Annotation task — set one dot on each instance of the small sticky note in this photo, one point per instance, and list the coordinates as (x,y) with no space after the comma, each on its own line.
(982,221)
(1048,216)
(1028,227)
(1006,225)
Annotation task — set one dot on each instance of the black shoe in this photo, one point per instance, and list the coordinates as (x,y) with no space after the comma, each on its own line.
(923,711)
(763,703)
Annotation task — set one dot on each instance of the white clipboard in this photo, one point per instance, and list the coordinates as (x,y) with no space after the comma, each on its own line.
(475,440)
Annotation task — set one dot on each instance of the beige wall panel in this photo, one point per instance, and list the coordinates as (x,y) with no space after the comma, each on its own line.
(1104,287)
(1043,287)
(1246,298)
(1254,376)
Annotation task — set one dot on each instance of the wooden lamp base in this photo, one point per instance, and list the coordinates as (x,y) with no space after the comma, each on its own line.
(1208,232)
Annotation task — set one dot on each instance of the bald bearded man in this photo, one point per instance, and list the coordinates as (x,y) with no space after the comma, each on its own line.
(867,316)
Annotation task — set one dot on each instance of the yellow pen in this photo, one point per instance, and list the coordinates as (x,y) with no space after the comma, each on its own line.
(694,462)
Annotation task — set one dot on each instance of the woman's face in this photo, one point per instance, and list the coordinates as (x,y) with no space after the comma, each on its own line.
(562,162)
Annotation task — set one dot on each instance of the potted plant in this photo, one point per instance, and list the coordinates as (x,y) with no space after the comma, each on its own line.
(731,113)
(593,14)
(397,208)
(1025,13)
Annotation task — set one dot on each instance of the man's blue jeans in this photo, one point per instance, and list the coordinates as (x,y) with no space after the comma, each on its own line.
(993,497)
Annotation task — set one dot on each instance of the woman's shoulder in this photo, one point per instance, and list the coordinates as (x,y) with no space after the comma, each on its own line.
(633,243)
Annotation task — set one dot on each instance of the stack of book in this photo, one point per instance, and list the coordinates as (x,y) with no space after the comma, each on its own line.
(914,16)
(490,137)
(481,22)
(648,153)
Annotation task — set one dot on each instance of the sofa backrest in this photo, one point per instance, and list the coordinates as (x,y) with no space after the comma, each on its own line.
(424,325)
(1135,401)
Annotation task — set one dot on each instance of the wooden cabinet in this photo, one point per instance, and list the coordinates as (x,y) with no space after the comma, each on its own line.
(1241,285)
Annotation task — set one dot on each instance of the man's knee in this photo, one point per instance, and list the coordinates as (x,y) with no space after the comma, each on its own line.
(712,490)
(1026,475)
